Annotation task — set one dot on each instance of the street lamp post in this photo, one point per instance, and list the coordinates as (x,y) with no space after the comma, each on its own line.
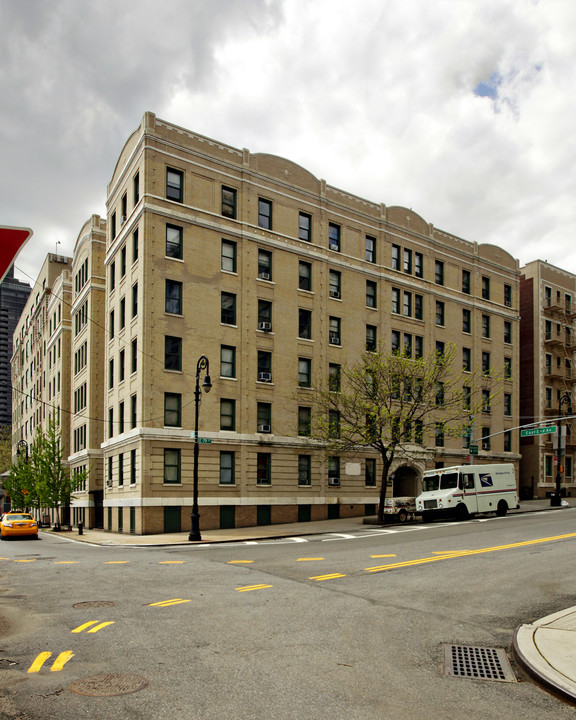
(202,364)
(555,498)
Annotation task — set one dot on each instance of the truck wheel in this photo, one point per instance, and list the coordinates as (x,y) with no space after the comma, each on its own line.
(462,512)
(502,508)
(402,516)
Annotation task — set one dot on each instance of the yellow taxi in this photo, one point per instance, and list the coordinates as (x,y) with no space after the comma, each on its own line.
(18,524)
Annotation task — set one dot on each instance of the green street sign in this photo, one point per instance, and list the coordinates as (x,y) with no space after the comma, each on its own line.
(473,449)
(205,440)
(538,431)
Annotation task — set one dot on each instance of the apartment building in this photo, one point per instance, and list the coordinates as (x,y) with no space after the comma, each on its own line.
(278,279)
(41,356)
(547,345)
(87,361)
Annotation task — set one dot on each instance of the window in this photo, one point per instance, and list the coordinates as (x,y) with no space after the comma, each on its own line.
(113,225)
(486,288)
(172,409)
(334,237)
(548,363)
(173,300)
(466,321)
(370,249)
(133,411)
(407,267)
(418,346)
(370,472)
(418,307)
(227,466)
(264,366)
(121,418)
(305,227)
(396,301)
(334,423)
(395,257)
(485,400)
(439,272)
(228,256)
(264,265)
(466,281)
(135,245)
(174,185)
(466,359)
(133,467)
(371,289)
(227,414)
(304,372)
(171,466)
(507,404)
(486,363)
(122,368)
(334,284)
(507,368)
(265,315)
(508,296)
(507,331)
(485,438)
(305,324)
(334,469)
(304,421)
(174,241)
(265,214)
(228,308)
(485,326)
(135,300)
(507,441)
(172,353)
(304,470)
(264,417)
(227,361)
(407,305)
(418,265)
(439,434)
(334,377)
(110,422)
(111,373)
(396,341)
(304,275)
(123,261)
(334,326)
(122,313)
(439,394)
(111,324)
(407,345)
(440,313)
(134,356)
(263,467)
(440,349)
(228,203)
(371,338)
(467,397)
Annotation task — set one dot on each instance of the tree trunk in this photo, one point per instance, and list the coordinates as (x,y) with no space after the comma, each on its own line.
(383,487)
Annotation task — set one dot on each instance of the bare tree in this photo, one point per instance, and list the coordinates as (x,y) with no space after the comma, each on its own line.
(391,403)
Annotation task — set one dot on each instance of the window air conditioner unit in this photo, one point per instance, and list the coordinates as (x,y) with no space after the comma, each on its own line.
(264,275)
(109,483)
(264,428)
(335,293)
(334,481)
(123,219)
(266,326)
(334,339)
(264,377)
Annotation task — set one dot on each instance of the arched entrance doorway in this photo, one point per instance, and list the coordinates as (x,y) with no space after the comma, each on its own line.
(406,482)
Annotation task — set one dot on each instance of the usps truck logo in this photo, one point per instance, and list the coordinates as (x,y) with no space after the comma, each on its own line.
(486,480)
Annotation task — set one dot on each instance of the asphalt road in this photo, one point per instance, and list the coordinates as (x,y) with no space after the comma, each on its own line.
(332,627)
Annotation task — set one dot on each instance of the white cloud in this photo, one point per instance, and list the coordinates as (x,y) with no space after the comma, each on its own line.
(376,97)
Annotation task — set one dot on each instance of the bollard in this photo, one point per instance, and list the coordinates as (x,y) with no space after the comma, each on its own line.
(80,528)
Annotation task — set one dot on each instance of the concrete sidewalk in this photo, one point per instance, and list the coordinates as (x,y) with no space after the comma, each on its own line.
(546,648)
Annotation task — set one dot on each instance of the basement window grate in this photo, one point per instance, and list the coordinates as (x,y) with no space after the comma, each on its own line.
(478,663)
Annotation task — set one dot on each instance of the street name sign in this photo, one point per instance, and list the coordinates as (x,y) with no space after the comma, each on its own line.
(538,431)
(473,449)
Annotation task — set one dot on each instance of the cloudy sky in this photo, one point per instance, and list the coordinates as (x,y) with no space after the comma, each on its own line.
(463,110)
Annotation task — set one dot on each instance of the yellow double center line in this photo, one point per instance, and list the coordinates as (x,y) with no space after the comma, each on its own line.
(463,553)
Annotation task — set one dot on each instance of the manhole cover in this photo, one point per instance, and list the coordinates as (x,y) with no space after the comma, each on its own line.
(93,604)
(478,663)
(109,685)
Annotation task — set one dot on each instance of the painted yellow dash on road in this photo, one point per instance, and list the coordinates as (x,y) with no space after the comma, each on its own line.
(83,627)
(170,562)
(308,559)
(61,660)
(39,661)
(449,552)
(116,562)
(26,560)
(239,562)
(327,577)
(166,603)
(378,556)
(247,588)
(65,562)
(465,553)
(101,625)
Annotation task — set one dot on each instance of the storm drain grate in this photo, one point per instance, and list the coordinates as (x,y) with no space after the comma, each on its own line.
(478,663)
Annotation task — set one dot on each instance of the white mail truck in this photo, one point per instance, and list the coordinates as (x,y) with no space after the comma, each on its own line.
(464,490)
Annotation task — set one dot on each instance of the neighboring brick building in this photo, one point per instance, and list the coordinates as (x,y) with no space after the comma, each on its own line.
(547,345)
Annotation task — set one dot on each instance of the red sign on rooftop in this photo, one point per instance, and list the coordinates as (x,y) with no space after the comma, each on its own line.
(12,240)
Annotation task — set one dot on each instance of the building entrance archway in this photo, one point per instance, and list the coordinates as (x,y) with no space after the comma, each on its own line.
(406,482)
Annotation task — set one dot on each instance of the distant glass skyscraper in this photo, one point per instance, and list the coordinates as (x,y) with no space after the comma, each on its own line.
(13,297)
